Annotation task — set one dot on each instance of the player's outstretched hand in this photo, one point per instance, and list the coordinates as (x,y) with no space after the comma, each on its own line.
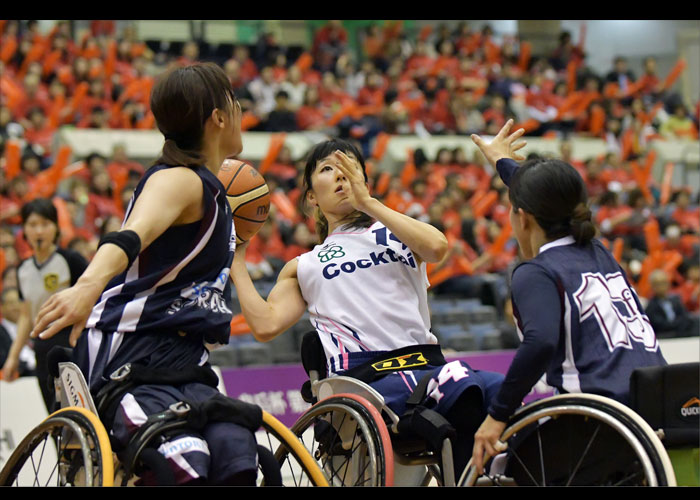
(503,145)
(487,442)
(69,307)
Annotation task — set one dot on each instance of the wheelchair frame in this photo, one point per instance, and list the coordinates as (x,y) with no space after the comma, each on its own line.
(84,454)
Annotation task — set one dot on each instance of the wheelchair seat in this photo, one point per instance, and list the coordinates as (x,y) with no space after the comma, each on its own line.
(419,439)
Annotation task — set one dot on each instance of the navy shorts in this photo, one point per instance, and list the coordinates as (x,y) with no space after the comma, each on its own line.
(213,455)
(447,383)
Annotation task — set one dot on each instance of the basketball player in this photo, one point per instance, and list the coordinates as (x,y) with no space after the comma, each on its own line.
(365,287)
(49,270)
(158,289)
(579,319)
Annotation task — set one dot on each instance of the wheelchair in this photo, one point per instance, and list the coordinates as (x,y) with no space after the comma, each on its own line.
(564,440)
(71,447)
(585,439)
(358,440)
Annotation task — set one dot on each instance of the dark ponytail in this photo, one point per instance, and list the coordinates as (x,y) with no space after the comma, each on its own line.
(182,101)
(554,193)
(582,228)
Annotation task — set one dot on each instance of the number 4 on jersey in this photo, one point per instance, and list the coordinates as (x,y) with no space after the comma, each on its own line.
(454,371)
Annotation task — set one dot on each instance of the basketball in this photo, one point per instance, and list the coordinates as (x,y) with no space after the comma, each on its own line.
(248,196)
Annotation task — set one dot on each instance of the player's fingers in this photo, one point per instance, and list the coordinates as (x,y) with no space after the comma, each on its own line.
(75,333)
(51,330)
(347,166)
(512,137)
(48,318)
(518,145)
(504,130)
(477,457)
(46,306)
(477,140)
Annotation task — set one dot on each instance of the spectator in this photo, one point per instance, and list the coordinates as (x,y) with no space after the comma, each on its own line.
(620,75)
(679,125)
(10,309)
(264,90)
(667,314)
(329,43)
(311,115)
(281,118)
(685,215)
(295,88)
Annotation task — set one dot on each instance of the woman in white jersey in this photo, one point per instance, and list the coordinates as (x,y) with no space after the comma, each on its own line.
(365,287)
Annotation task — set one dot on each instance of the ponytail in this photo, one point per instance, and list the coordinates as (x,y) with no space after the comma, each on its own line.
(177,156)
(582,228)
(554,193)
(321,224)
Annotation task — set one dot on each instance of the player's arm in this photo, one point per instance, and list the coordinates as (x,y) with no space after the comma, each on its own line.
(425,241)
(10,369)
(537,305)
(539,312)
(172,196)
(283,307)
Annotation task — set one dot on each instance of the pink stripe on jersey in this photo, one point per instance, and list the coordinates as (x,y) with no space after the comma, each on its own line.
(405,380)
(353,337)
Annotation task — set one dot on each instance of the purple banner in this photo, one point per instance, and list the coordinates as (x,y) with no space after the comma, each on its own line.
(276,388)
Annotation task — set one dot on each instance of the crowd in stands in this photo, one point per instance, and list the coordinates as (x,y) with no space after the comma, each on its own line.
(442,82)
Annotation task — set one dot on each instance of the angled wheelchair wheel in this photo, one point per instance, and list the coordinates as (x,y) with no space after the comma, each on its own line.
(296,465)
(349,440)
(577,440)
(69,448)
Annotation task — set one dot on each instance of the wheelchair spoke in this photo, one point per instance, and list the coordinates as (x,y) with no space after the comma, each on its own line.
(515,454)
(627,478)
(539,444)
(585,452)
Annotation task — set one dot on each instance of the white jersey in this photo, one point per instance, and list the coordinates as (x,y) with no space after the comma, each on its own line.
(365,292)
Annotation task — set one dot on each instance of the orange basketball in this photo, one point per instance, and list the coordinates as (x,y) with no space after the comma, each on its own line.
(248,196)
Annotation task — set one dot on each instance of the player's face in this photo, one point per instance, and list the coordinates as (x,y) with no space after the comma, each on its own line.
(518,223)
(330,187)
(40,232)
(233,140)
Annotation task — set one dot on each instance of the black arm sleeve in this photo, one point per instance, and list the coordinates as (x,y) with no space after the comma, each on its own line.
(538,310)
(506,168)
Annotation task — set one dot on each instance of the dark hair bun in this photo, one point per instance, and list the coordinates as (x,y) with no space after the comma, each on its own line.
(582,227)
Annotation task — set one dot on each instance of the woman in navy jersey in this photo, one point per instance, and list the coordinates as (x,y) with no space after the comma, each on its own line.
(580,321)
(158,292)
(365,288)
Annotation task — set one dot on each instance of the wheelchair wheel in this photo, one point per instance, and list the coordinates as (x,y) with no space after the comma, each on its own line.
(69,448)
(577,440)
(297,466)
(349,440)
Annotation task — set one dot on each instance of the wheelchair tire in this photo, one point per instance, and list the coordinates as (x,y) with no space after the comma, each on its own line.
(297,466)
(70,448)
(350,441)
(597,441)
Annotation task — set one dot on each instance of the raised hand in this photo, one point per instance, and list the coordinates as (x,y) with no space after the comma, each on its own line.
(358,192)
(502,145)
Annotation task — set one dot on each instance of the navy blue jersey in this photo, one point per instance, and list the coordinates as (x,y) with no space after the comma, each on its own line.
(177,287)
(580,322)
